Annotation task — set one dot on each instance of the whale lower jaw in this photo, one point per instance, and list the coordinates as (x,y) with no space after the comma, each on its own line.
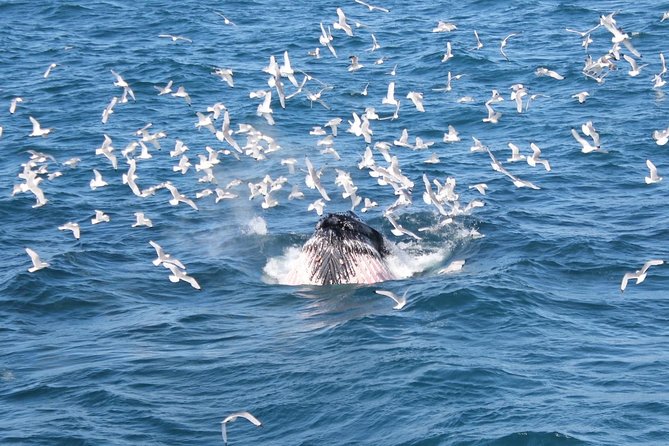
(327,259)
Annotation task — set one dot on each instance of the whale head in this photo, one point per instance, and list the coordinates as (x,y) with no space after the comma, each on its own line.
(343,249)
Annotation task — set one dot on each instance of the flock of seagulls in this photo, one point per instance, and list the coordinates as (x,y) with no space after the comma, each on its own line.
(286,83)
(259,145)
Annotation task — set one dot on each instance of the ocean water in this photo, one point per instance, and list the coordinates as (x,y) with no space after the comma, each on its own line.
(530,343)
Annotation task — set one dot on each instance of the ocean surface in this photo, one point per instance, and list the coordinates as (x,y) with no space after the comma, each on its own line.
(531,342)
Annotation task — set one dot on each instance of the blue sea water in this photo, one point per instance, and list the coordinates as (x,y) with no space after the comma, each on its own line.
(531,343)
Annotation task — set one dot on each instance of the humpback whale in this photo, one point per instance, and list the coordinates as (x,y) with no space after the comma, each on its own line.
(343,249)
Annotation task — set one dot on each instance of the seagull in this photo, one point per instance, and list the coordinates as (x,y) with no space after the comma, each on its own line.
(417,99)
(433,159)
(515,153)
(635,69)
(534,159)
(37,128)
(317,206)
(543,71)
(99,217)
(178,197)
(372,7)
(355,65)
(444,27)
(586,146)
(183,165)
(480,187)
(665,16)
(375,44)
(452,135)
(333,124)
(296,193)
(181,93)
(107,150)
(13,104)
(653,178)
(313,180)
(164,257)
(109,110)
(37,263)
(341,23)
(174,38)
(589,130)
(48,70)
(225,74)
(398,230)
(581,96)
(180,274)
(167,89)
(226,20)
(205,121)
(368,205)
(390,96)
(97,181)
(325,39)
(399,301)
(479,44)
(503,44)
(142,220)
(493,116)
(233,417)
(661,137)
(71,226)
(120,82)
(639,275)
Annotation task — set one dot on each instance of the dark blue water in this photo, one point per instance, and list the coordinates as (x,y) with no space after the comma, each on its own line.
(531,343)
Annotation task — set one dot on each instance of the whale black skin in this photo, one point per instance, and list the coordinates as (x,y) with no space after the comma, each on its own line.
(343,249)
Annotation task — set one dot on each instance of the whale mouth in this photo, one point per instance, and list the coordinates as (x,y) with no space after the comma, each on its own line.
(343,249)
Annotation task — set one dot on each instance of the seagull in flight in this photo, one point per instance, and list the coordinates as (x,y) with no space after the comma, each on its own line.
(653,178)
(174,38)
(71,226)
(180,274)
(163,257)
(37,128)
(639,275)
(371,7)
(226,20)
(399,301)
(233,417)
(13,104)
(503,44)
(48,70)
(37,263)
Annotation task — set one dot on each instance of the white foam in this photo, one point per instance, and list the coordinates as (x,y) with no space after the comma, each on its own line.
(257,225)
(278,268)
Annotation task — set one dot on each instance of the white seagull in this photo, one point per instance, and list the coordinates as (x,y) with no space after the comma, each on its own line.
(180,274)
(71,226)
(97,181)
(639,275)
(233,417)
(48,70)
(399,301)
(37,263)
(653,178)
(37,128)
(99,217)
(142,220)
